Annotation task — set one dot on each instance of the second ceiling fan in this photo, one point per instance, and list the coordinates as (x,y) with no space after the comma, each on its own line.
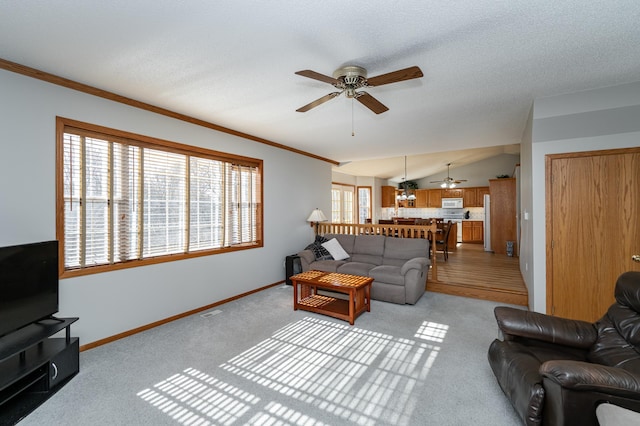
(350,79)
(448,182)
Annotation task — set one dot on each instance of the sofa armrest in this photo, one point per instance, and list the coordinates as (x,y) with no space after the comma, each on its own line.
(585,376)
(306,258)
(418,263)
(534,325)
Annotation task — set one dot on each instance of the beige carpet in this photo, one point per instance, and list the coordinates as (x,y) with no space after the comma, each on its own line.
(258,362)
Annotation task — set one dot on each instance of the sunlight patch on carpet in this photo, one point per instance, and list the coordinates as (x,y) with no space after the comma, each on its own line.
(432,331)
(358,375)
(194,398)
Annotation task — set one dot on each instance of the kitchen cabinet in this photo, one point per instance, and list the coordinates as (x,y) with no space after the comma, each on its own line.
(452,193)
(482,191)
(470,197)
(472,231)
(406,203)
(434,198)
(478,231)
(388,196)
(474,197)
(422,198)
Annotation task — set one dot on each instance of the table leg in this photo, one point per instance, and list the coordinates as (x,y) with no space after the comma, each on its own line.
(367,295)
(352,306)
(295,295)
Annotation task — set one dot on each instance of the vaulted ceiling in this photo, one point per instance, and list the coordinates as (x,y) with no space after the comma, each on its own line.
(232,63)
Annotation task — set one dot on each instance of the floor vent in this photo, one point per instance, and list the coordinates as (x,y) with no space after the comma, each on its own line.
(211,313)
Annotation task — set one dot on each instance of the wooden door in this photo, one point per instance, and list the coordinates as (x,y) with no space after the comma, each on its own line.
(593,210)
(503,214)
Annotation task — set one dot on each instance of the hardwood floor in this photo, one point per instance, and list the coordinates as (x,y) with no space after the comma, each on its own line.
(472,272)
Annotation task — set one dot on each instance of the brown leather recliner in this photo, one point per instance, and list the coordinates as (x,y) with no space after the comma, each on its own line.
(556,371)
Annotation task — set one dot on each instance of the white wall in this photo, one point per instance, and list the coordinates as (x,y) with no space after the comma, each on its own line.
(591,120)
(526,207)
(114,302)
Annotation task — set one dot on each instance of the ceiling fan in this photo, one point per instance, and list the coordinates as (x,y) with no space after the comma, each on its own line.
(350,78)
(448,182)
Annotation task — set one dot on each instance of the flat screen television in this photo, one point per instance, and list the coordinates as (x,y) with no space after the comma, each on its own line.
(28,284)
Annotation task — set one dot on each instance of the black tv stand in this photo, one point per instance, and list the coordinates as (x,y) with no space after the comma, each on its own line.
(52,318)
(34,365)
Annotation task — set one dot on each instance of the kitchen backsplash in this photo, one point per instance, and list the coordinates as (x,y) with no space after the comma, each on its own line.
(475,213)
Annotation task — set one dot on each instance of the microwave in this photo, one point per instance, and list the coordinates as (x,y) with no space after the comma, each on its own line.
(452,203)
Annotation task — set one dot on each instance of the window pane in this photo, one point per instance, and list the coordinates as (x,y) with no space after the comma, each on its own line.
(207,203)
(364,204)
(71,178)
(126,183)
(336,205)
(164,203)
(347,206)
(96,201)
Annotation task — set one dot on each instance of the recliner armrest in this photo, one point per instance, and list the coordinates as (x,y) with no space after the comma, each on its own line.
(415,263)
(534,325)
(585,376)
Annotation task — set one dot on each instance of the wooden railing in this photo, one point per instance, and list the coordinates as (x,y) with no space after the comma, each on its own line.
(399,231)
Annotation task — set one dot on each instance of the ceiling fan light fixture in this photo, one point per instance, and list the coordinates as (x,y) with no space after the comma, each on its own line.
(448,182)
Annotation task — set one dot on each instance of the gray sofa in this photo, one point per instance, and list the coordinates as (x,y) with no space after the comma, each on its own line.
(398,266)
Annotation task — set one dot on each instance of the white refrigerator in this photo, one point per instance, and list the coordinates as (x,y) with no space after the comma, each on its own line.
(487,223)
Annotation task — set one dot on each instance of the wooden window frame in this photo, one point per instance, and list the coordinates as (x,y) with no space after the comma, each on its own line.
(65,126)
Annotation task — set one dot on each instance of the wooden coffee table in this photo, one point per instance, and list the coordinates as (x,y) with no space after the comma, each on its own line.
(306,296)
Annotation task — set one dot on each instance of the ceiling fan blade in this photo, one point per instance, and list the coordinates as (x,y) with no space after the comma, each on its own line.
(319,101)
(395,76)
(372,103)
(317,76)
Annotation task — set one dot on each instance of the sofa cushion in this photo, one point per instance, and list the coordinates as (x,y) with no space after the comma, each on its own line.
(356,268)
(327,265)
(345,240)
(387,274)
(368,249)
(398,250)
(319,252)
(336,250)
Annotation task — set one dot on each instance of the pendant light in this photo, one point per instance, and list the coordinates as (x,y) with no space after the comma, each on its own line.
(404,196)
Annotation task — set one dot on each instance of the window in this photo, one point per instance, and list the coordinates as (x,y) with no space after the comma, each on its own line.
(127,200)
(364,204)
(342,203)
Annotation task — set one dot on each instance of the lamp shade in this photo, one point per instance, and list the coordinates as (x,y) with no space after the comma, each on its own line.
(317,216)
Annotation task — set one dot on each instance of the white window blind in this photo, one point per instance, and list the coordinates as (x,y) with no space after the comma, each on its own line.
(128,200)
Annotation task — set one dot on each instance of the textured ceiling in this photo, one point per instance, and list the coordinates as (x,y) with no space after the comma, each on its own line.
(232,63)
